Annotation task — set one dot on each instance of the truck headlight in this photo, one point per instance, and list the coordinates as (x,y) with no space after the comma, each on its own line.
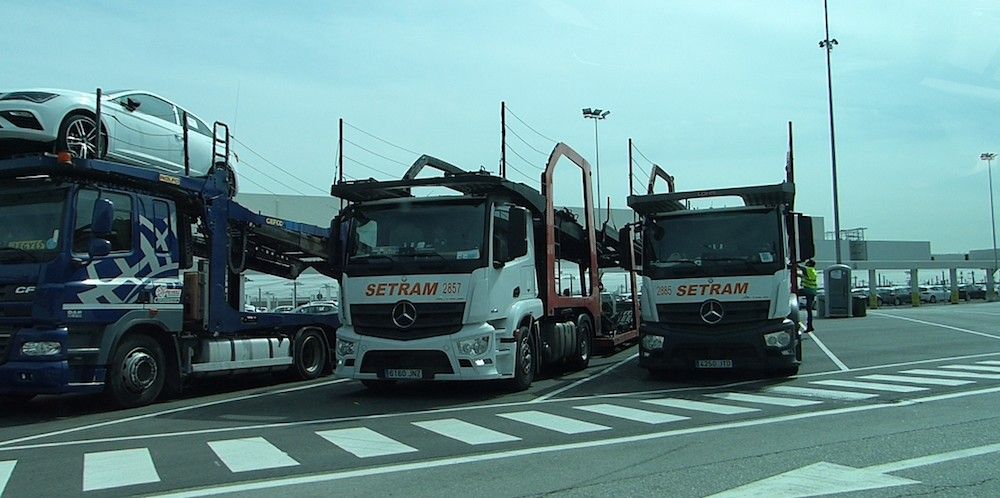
(778,339)
(344,348)
(43,348)
(651,342)
(475,346)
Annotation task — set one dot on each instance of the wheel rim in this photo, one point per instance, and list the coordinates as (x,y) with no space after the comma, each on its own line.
(311,354)
(584,343)
(526,356)
(81,137)
(139,370)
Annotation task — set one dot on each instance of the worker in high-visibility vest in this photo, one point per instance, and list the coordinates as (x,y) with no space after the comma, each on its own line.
(810,285)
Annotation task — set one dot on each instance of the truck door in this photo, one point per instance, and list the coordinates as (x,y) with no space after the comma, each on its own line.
(514,277)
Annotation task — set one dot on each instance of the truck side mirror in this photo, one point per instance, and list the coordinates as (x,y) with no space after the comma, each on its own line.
(626,247)
(807,246)
(336,244)
(98,248)
(101,218)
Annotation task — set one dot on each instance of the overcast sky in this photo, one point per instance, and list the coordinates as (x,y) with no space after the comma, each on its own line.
(705,88)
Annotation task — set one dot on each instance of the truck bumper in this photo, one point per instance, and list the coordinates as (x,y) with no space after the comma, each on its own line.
(743,348)
(46,375)
(434,358)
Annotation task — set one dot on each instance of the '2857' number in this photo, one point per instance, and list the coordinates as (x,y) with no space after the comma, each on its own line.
(451,288)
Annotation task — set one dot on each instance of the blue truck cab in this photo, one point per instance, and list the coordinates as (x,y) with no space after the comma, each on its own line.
(121,280)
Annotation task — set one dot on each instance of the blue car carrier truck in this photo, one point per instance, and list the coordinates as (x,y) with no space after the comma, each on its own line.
(126,281)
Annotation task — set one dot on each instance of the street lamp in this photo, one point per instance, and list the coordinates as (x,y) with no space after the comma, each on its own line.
(596,115)
(989,157)
(828,45)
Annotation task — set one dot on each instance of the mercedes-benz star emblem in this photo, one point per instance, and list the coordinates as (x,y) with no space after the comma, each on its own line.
(712,312)
(404,314)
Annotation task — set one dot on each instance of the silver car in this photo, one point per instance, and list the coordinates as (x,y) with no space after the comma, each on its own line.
(142,128)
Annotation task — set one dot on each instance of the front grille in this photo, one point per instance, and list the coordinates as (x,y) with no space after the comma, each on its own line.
(5,336)
(430,362)
(15,310)
(733,312)
(433,319)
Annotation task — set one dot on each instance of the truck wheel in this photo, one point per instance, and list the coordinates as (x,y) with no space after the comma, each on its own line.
(308,355)
(137,372)
(524,364)
(584,341)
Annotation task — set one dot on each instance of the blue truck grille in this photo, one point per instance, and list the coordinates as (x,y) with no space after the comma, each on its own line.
(433,319)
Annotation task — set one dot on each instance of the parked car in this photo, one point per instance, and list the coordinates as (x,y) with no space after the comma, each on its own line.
(972,291)
(934,293)
(318,308)
(283,309)
(887,295)
(141,128)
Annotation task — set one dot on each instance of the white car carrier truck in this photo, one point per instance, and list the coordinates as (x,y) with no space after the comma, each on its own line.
(468,286)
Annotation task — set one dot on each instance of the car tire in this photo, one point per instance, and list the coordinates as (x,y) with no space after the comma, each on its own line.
(584,343)
(137,372)
(933,299)
(76,135)
(524,362)
(309,355)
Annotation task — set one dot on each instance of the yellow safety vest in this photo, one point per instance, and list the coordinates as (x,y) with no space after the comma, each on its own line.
(809,278)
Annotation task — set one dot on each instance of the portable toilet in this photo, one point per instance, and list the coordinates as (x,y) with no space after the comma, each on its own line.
(837,281)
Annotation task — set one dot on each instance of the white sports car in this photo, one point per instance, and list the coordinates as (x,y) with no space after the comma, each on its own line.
(142,128)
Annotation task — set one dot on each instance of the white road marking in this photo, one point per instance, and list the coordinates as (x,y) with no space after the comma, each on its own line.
(6,469)
(644,416)
(701,406)
(820,393)
(989,362)
(875,386)
(952,373)
(949,327)
(465,432)
(836,361)
(551,422)
(918,380)
(765,400)
(114,469)
(910,463)
(166,412)
(433,411)
(975,368)
(365,443)
(486,457)
(252,453)
(585,379)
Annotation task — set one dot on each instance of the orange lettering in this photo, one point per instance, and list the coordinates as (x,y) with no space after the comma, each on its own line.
(742,288)
(370,290)
(715,289)
(380,290)
(430,289)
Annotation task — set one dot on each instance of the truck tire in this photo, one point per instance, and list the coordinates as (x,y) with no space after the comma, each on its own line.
(309,354)
(524,363)
(584,343)
(137,372)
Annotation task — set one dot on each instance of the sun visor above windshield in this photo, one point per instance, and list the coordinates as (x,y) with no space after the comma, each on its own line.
(762,196)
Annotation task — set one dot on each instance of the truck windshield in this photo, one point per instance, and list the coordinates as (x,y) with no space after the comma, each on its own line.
(30,224)
(417,238)
(704,244)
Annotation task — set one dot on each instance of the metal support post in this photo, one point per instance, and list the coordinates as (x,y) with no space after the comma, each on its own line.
(872,289)
(914,288)
(953,278)
(991,289)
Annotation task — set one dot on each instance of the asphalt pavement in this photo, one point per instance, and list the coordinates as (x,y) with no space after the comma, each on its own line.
(897,403)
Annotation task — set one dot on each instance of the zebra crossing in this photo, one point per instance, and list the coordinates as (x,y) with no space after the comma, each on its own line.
(126,470)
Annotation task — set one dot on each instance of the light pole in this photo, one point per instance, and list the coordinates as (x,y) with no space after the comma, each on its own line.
(828,45)
(596,115)
(989,157)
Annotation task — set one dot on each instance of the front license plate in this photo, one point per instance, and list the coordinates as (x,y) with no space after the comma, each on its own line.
(404,373)
(715,364)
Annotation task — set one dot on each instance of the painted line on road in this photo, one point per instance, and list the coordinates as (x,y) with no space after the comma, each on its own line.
(585,379)
(365,443)
(887,468)
(764,400)
(701,406)
(918,380)
(949,327)
(446,462)
(836,361)
(114,469)
(164,412)
(975,368)
(465,432)
(251,453)
(820,393)
(874,386)
(634,414)
(953,373)
(552,422)
(434,411)
(989,362)
(6,469)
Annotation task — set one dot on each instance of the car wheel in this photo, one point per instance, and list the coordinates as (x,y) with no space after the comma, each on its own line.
(933,299)
(309,355)
(524,363)
(78,134)
(137,372)
(584,342)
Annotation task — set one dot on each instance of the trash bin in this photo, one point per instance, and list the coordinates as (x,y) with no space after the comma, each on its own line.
(820,309)
(859,306)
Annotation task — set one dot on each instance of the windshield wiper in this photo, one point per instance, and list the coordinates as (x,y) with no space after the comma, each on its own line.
(21,251)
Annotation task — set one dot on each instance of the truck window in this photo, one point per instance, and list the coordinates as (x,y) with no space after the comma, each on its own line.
(121,226)
(510,238)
